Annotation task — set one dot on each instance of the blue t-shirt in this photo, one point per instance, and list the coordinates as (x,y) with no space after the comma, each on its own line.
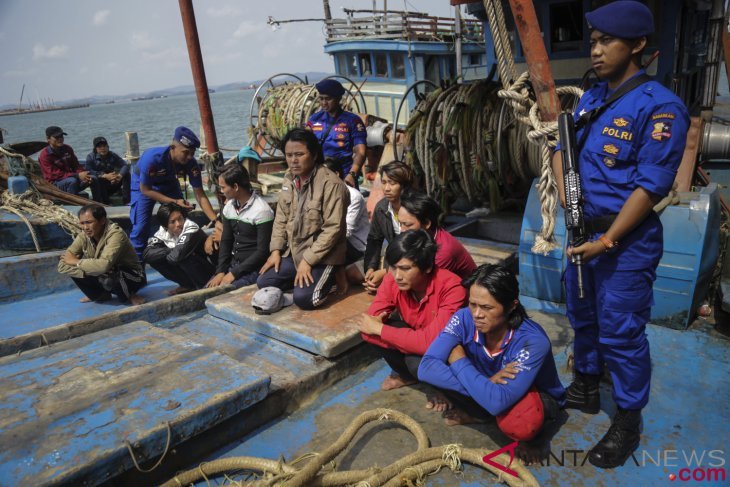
(156,170)
(341,140)
(528,345)
(638,141)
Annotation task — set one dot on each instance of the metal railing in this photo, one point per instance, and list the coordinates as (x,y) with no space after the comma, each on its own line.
(402,26)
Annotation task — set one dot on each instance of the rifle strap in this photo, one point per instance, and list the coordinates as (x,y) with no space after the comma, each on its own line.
(587,118)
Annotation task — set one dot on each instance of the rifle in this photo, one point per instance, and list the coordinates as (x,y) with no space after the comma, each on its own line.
(574,222)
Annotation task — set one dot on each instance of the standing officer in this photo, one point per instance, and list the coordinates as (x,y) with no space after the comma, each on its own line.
(627,164)
(341,134)
(154,180)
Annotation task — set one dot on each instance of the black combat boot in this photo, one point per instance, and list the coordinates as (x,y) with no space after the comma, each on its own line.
(619,442)
(583,393)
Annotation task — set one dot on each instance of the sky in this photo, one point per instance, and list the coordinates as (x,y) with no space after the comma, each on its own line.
(77,48)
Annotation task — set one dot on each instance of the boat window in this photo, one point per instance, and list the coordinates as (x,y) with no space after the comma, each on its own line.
(351,64)
(398,65)
(366,67)
(381,65)
(342,64)
(475,59)
(566,26)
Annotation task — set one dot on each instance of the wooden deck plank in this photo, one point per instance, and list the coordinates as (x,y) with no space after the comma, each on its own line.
(66,410)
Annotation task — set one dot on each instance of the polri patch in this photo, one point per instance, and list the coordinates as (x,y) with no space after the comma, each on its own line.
(620,122)
(663,115)
(662,131)
(610,149)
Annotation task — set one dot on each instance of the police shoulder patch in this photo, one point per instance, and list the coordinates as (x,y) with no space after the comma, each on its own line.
(662,131)
(664,115)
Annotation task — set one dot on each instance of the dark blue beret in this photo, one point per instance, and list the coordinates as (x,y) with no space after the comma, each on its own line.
(186,137)
(627,19)
(330,87)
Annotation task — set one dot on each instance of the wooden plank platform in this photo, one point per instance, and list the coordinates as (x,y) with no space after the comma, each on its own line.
(327,331)
(488,252)
(67,410)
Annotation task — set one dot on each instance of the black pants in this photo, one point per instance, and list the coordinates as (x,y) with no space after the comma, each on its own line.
(194,272)
(308,297)
(122,284)
(107,188)
(405,365)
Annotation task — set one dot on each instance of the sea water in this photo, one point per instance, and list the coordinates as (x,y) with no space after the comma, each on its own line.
(153,120)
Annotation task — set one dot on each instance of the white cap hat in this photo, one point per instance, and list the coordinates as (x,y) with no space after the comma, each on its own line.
(270,300)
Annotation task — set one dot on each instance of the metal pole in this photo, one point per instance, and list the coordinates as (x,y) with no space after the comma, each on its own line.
(457,31)
(541,74)
(196,64)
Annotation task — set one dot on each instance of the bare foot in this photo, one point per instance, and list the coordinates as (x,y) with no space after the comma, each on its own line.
(136,300)
(394,382)
(532,452)
(341,280)
(456,416)
(178,290)
(438,402)
(100,299)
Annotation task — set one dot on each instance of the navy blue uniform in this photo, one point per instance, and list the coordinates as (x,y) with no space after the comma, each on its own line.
(340,141)
(156,170)
(528,346)
(638,141)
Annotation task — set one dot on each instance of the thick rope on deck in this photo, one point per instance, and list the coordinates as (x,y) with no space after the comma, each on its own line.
(31,203)
(409,470)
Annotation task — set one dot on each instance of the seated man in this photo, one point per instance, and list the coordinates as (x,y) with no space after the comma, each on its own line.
(491,359)
(413,304)
(247,223)
(417,210)
(111,170)
(176,250)
(308,239)
(101,259)
(61,168)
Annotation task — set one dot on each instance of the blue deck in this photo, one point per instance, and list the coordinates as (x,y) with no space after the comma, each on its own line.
(66,410)
(688,414)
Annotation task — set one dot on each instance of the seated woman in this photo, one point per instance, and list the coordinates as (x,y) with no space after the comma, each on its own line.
(176,250)
(308,239)
(247,222)
(412,306)
(395,178)
(420,211)
(491,359)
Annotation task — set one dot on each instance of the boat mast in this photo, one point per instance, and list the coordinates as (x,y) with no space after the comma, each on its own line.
(196,64)
(457,35)
(538,64)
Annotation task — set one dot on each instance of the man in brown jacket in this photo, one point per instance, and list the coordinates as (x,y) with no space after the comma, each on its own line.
(101,260)
(309,236)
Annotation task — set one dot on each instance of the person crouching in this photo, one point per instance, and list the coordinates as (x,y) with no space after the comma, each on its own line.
(411,307)
(491,359)
(101,260)
(177,250)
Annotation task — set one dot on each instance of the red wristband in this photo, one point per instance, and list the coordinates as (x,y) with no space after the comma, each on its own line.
(607,243)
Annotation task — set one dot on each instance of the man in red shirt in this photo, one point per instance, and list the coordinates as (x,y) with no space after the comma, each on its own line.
(61,168)
(412,306)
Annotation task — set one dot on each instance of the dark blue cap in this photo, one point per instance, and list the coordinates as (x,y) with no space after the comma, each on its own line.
(626,19)
(186,137)
(330,87)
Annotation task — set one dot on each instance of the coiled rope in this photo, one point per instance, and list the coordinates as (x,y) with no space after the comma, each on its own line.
(414,467)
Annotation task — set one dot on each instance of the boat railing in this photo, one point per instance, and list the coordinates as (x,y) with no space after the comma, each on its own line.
(402,26)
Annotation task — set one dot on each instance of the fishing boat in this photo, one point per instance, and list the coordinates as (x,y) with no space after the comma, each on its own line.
(186,388)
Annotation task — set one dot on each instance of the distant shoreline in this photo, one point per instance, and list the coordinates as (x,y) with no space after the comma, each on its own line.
(38,110)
